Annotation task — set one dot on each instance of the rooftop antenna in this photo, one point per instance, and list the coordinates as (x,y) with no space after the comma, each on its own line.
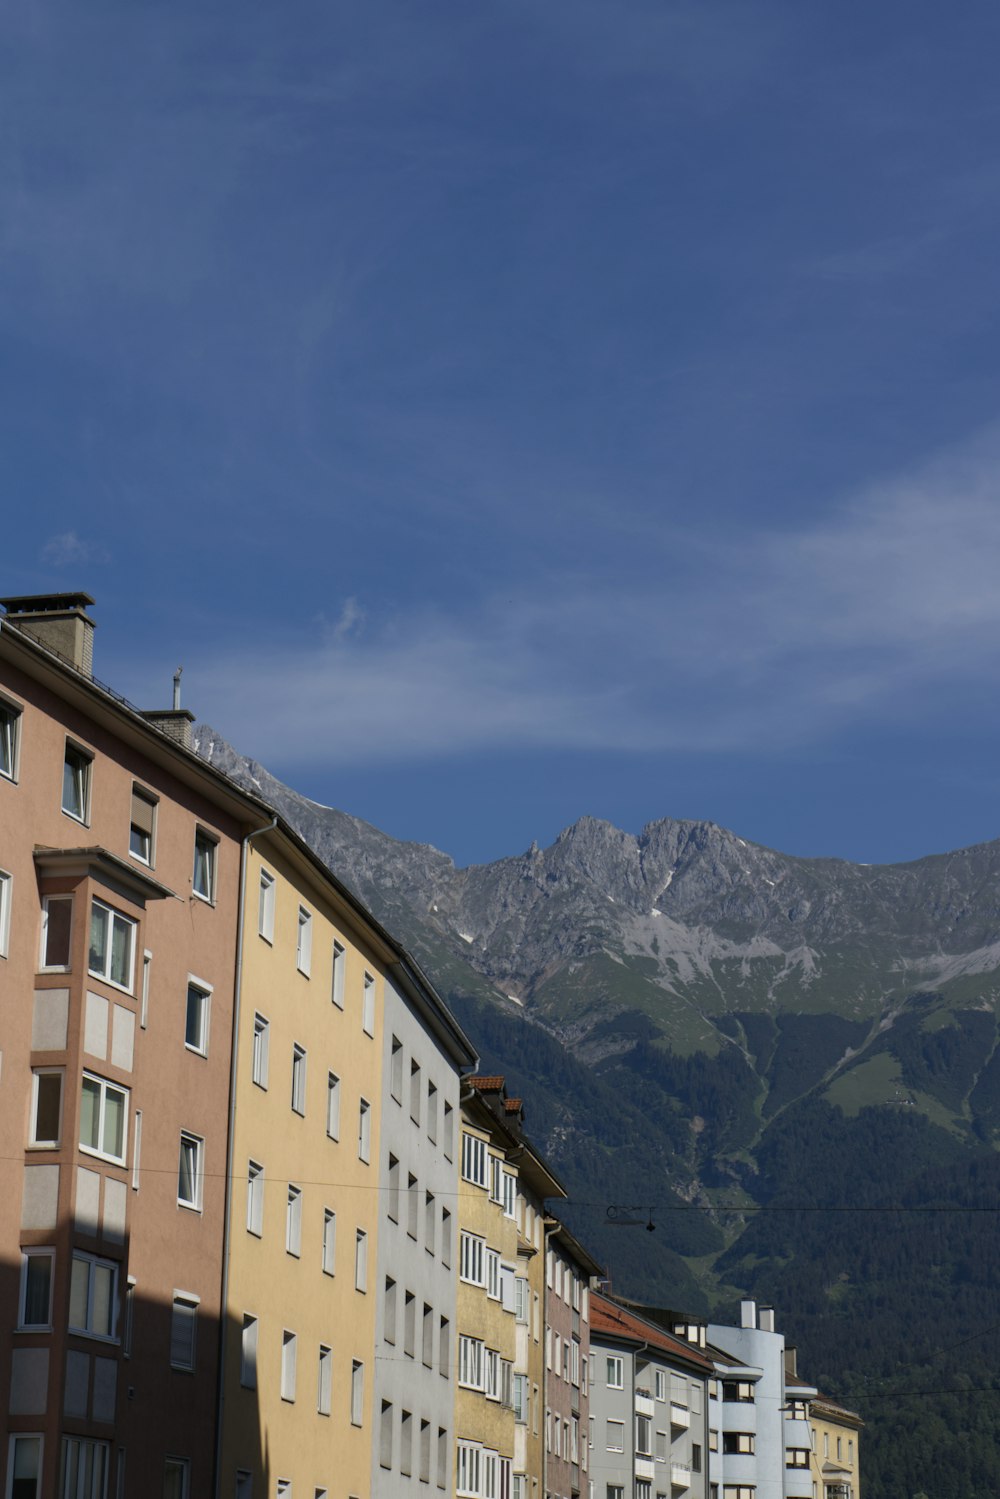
(177,687)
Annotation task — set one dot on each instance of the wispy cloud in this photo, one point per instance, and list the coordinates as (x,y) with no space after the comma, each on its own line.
(67,549)
(883,611)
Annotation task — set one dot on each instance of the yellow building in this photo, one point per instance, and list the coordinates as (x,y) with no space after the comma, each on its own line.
(485,1303)
(835,1457)
(304,1205)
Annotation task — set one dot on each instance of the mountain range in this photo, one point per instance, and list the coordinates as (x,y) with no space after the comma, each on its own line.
(788,1066)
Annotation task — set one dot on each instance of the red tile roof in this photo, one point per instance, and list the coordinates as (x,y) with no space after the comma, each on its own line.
(608,1317)
(486,1084)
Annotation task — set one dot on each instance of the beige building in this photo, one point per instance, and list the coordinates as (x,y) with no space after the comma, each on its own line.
(835,1457)
(119,883)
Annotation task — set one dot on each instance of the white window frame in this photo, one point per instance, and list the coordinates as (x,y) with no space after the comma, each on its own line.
(248,1351)
(34,1142)
(472,1259)
(255,1199)
(304,941)
(611,1437)
(471,1358)
(10,738)
(84,769)
(368,1004)
(145,798)
(198,987)
(360,1259)
(337,977)
(95,1262)
(92,1464)
(493,1274)
(205,871)
(181,1466)
(265,905)
(293,1221)
(27,1255)
(147,963)
(299,1061)
(193,1203)
(47,902)
(105,1087)
(333,1093)
(114,917)
(329,1245)
(475,1156)
(357,1392)
(289,1364)
(364,1131)
(261,1053)
(615,1371)
(324,1380)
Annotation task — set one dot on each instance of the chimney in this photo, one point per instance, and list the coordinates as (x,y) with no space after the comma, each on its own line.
(766,1319)
(58,621)
(748,1314)
(792,1362)
(175,721)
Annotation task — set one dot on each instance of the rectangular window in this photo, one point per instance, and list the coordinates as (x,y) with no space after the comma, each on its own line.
(406,1442)
(472,1260)
(615,1373)
(474,1159)
(738,1441)
(425,1452)
(46,1107)
(129,1316)
(147,963)
(176,1473)
(449,1132)
(385,1435)
(396,1069)
(409,1323)
(196,1018)
(357,1392)
(248,1353)
(265,906)
(112,946)
(304,942)
(298,1079)
(361,1260)
(103,1118)
(661,1385)
(444,1348)
(427,1337)
(337,985)
(84,1469)
(368,1006)
(470,1362)
(446,1238)
(412,1206)
(183,1329)
(24,1467)
(261,1050)
(206,852)
(293,1222)
(643,1436)
(289,1360)
(415,1092)
(244,1484)
(738,1390)
(333,1105)
(329,1241)
(364,1131)
(142,826)
(35,1300)
(77,768)
(392,1207)
(432,1113)
(57,925)
(10,723)
(467,1468)
(509,1194)
(255,1198)
(324,1381)
(615,1436)
(430,1221)
(190,1171)
(389,1310)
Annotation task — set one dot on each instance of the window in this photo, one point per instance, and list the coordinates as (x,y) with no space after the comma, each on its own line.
(615,1373)
(244,1484)
(46,1108)
(385,1435)
(298,1079)
(255,1198)
(57,923)
(510,1195)
(444,1348)
(432,1113)
(738,1441)
(112,946)
(412,1204)
(695,1458)
(289,1360)
(496,1179)
(615,1491)
(615,1436)
(472,1259)
(129,1316)
(409,1323)
(361,1260)
(35,1300)
(521,1398)
(329,1241)
(190,1171)
(337,985)
(205,859)
(415,1092)
(425,1452)
(449,1131)
(24,1467)
(797,1457)
(103,1116)
(333,1105)
(196,1021)
(76,783)
(304,942)
(147,963)
(468,1462)
(738,1390)
(368,1006)
(521,1298)
(293,1222)
(248,1353)
(446,1238)
(265,906)
(142,826)
(406,1442)
(493,1274)
(661,1385)
(470,1362)
(176,1473)
(643,1436)
(430,1221)
(474,1159)
(396,1069)
(261,1049)
(393,1202)
(389,1310)
(364,1131)
(324,1380)
(357,1392)
(183,1328)
(10,723)
(84,1469)
(491,1374)
(738,1491)
(427,1336)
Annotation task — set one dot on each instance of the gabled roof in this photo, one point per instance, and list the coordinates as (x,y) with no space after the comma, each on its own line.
(614,1321)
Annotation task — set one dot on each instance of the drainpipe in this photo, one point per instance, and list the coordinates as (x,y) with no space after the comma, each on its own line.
(226,1233)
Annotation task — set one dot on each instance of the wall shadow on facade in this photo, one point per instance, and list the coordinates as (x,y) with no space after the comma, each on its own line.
(144,1416)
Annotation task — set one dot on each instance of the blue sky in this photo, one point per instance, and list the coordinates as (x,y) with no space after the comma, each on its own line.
(508,412)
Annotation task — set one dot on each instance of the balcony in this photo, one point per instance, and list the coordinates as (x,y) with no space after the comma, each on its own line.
(644,1403)
(679,1415)
(680,1476)
(645,1467)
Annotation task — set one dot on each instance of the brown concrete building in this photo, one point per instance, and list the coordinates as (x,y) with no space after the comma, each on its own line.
(568,1272)
(120,857)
